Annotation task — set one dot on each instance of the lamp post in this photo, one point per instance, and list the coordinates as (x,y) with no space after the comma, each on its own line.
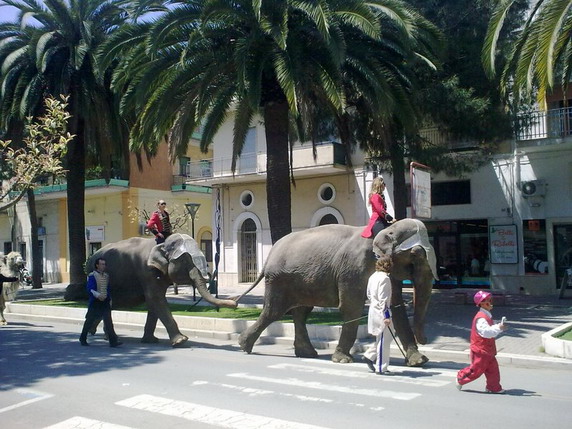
(192,208)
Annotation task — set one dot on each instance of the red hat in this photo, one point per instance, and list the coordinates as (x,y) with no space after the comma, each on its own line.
(480,296)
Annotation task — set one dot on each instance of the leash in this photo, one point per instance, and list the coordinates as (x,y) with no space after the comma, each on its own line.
(355,320)
(397,342)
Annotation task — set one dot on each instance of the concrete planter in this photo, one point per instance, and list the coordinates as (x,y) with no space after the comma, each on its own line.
(556,347)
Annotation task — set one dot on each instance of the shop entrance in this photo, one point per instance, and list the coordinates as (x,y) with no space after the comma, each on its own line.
(562,252)
(462,250)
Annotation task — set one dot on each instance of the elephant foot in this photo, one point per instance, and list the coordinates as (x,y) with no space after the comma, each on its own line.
(3,322)
(341,357)
(245,344)
(305,352)
(416,358)
(150,340)
(179,340)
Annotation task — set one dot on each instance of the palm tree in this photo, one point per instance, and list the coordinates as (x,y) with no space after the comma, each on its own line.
(542,51)
(287,61)
(50,50)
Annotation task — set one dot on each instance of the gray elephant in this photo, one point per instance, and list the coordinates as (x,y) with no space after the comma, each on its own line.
(329,266)
(141,271)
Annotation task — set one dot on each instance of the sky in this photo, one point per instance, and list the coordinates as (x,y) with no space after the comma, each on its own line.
(7,13)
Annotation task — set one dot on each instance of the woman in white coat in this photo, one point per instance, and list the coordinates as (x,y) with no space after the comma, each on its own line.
(379,317)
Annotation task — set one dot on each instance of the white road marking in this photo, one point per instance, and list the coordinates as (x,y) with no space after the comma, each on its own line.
(32,394)
(394,369)
(364,373)
(209,415)
(329,387)
(260,392)
(83,423)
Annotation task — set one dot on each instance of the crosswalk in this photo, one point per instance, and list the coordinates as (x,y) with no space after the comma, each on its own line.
(303,381)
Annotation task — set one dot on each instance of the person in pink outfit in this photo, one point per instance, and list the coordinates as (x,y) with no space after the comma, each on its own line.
(379,219)
(483,346)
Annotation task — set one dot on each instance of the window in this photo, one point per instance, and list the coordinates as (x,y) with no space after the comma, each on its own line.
(327,193)
(449,193)
(535,247)
(94,247)
(184,166)
(246,199)
(329,219)
(7,247)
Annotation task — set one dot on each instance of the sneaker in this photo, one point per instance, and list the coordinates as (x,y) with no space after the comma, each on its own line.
(458,386)
(369,364)
(386,372)
(497,392)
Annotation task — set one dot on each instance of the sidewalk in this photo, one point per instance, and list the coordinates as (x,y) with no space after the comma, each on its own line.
(447,324)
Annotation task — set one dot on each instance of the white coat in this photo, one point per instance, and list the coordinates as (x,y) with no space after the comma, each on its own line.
(379,295)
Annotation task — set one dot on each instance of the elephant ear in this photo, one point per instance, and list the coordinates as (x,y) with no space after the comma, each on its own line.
(158,259)
(175,248)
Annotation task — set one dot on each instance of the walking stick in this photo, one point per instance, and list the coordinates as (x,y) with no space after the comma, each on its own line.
(397,342)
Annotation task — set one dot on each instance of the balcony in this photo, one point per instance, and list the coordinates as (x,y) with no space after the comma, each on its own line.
(441,138)
(544,127)
(252,167)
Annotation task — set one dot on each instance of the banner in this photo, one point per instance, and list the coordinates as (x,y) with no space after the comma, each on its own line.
(420,192)
(503,241)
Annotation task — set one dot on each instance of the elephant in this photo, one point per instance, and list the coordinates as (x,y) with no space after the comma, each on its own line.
(10,267)
(141,271)
(329,266)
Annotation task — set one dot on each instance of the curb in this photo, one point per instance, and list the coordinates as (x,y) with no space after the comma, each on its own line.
(555,346)
(323,337)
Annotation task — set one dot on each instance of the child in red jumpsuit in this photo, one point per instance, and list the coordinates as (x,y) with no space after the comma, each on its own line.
(483,347)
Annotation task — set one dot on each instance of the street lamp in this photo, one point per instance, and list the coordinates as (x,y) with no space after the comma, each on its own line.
(192,208)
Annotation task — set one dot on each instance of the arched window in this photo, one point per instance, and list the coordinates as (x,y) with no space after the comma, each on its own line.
(328,220)
(247,257)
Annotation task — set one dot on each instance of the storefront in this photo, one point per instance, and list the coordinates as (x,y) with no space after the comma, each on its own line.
(462,250)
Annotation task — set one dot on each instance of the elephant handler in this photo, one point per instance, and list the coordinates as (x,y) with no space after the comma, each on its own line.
(379,317)
(99,304)
(483,347)
(160,223)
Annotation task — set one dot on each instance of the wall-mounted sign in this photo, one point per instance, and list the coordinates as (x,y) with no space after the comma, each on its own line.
(420,191)
(95,233)
(503,241)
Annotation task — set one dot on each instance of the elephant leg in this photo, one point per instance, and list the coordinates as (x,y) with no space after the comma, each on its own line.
(348,335)
(302,344)
(399,316)
(159,309)
(271,312)
(149,331)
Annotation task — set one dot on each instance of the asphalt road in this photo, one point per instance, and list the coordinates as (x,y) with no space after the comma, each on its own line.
(48,380)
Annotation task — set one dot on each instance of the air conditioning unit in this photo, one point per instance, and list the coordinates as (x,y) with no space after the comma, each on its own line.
(533,188)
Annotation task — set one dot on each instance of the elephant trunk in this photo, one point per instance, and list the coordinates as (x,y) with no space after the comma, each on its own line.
(201,285)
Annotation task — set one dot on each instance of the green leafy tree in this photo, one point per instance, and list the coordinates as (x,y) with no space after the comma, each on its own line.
(542,53)
(44,147)
(293,63)
(50,49)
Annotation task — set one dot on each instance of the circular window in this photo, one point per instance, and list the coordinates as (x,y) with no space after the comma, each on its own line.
(327,193)
(246,199)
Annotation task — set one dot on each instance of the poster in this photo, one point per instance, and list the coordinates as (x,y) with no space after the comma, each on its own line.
(420,193)
(95,233)
(503,241)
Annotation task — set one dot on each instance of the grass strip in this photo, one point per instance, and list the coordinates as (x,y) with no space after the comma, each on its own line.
(326,318)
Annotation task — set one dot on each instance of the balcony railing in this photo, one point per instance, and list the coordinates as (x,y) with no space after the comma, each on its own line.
(539,124)
(328,154)
(440,138)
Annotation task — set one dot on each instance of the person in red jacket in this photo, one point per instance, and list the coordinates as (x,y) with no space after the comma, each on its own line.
(379,217)
(483,346)
(160,223)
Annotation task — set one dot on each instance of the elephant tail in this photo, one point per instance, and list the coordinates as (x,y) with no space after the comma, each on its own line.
(238,298)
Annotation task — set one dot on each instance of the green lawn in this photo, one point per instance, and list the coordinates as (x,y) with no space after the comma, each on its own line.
(315,318)
(566,335)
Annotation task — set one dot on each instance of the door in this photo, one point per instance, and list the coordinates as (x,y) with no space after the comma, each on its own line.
(562,251)
(249,269)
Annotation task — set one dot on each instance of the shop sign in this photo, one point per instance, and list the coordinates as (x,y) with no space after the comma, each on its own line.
(420,191)
(503,241)
(95,233)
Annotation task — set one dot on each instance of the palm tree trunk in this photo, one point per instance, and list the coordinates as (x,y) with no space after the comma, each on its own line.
(35,251)
(399,185)
(76,202)
(279,199)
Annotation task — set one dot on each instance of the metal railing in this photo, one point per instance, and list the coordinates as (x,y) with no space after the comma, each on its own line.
(543,124)
(440,138)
